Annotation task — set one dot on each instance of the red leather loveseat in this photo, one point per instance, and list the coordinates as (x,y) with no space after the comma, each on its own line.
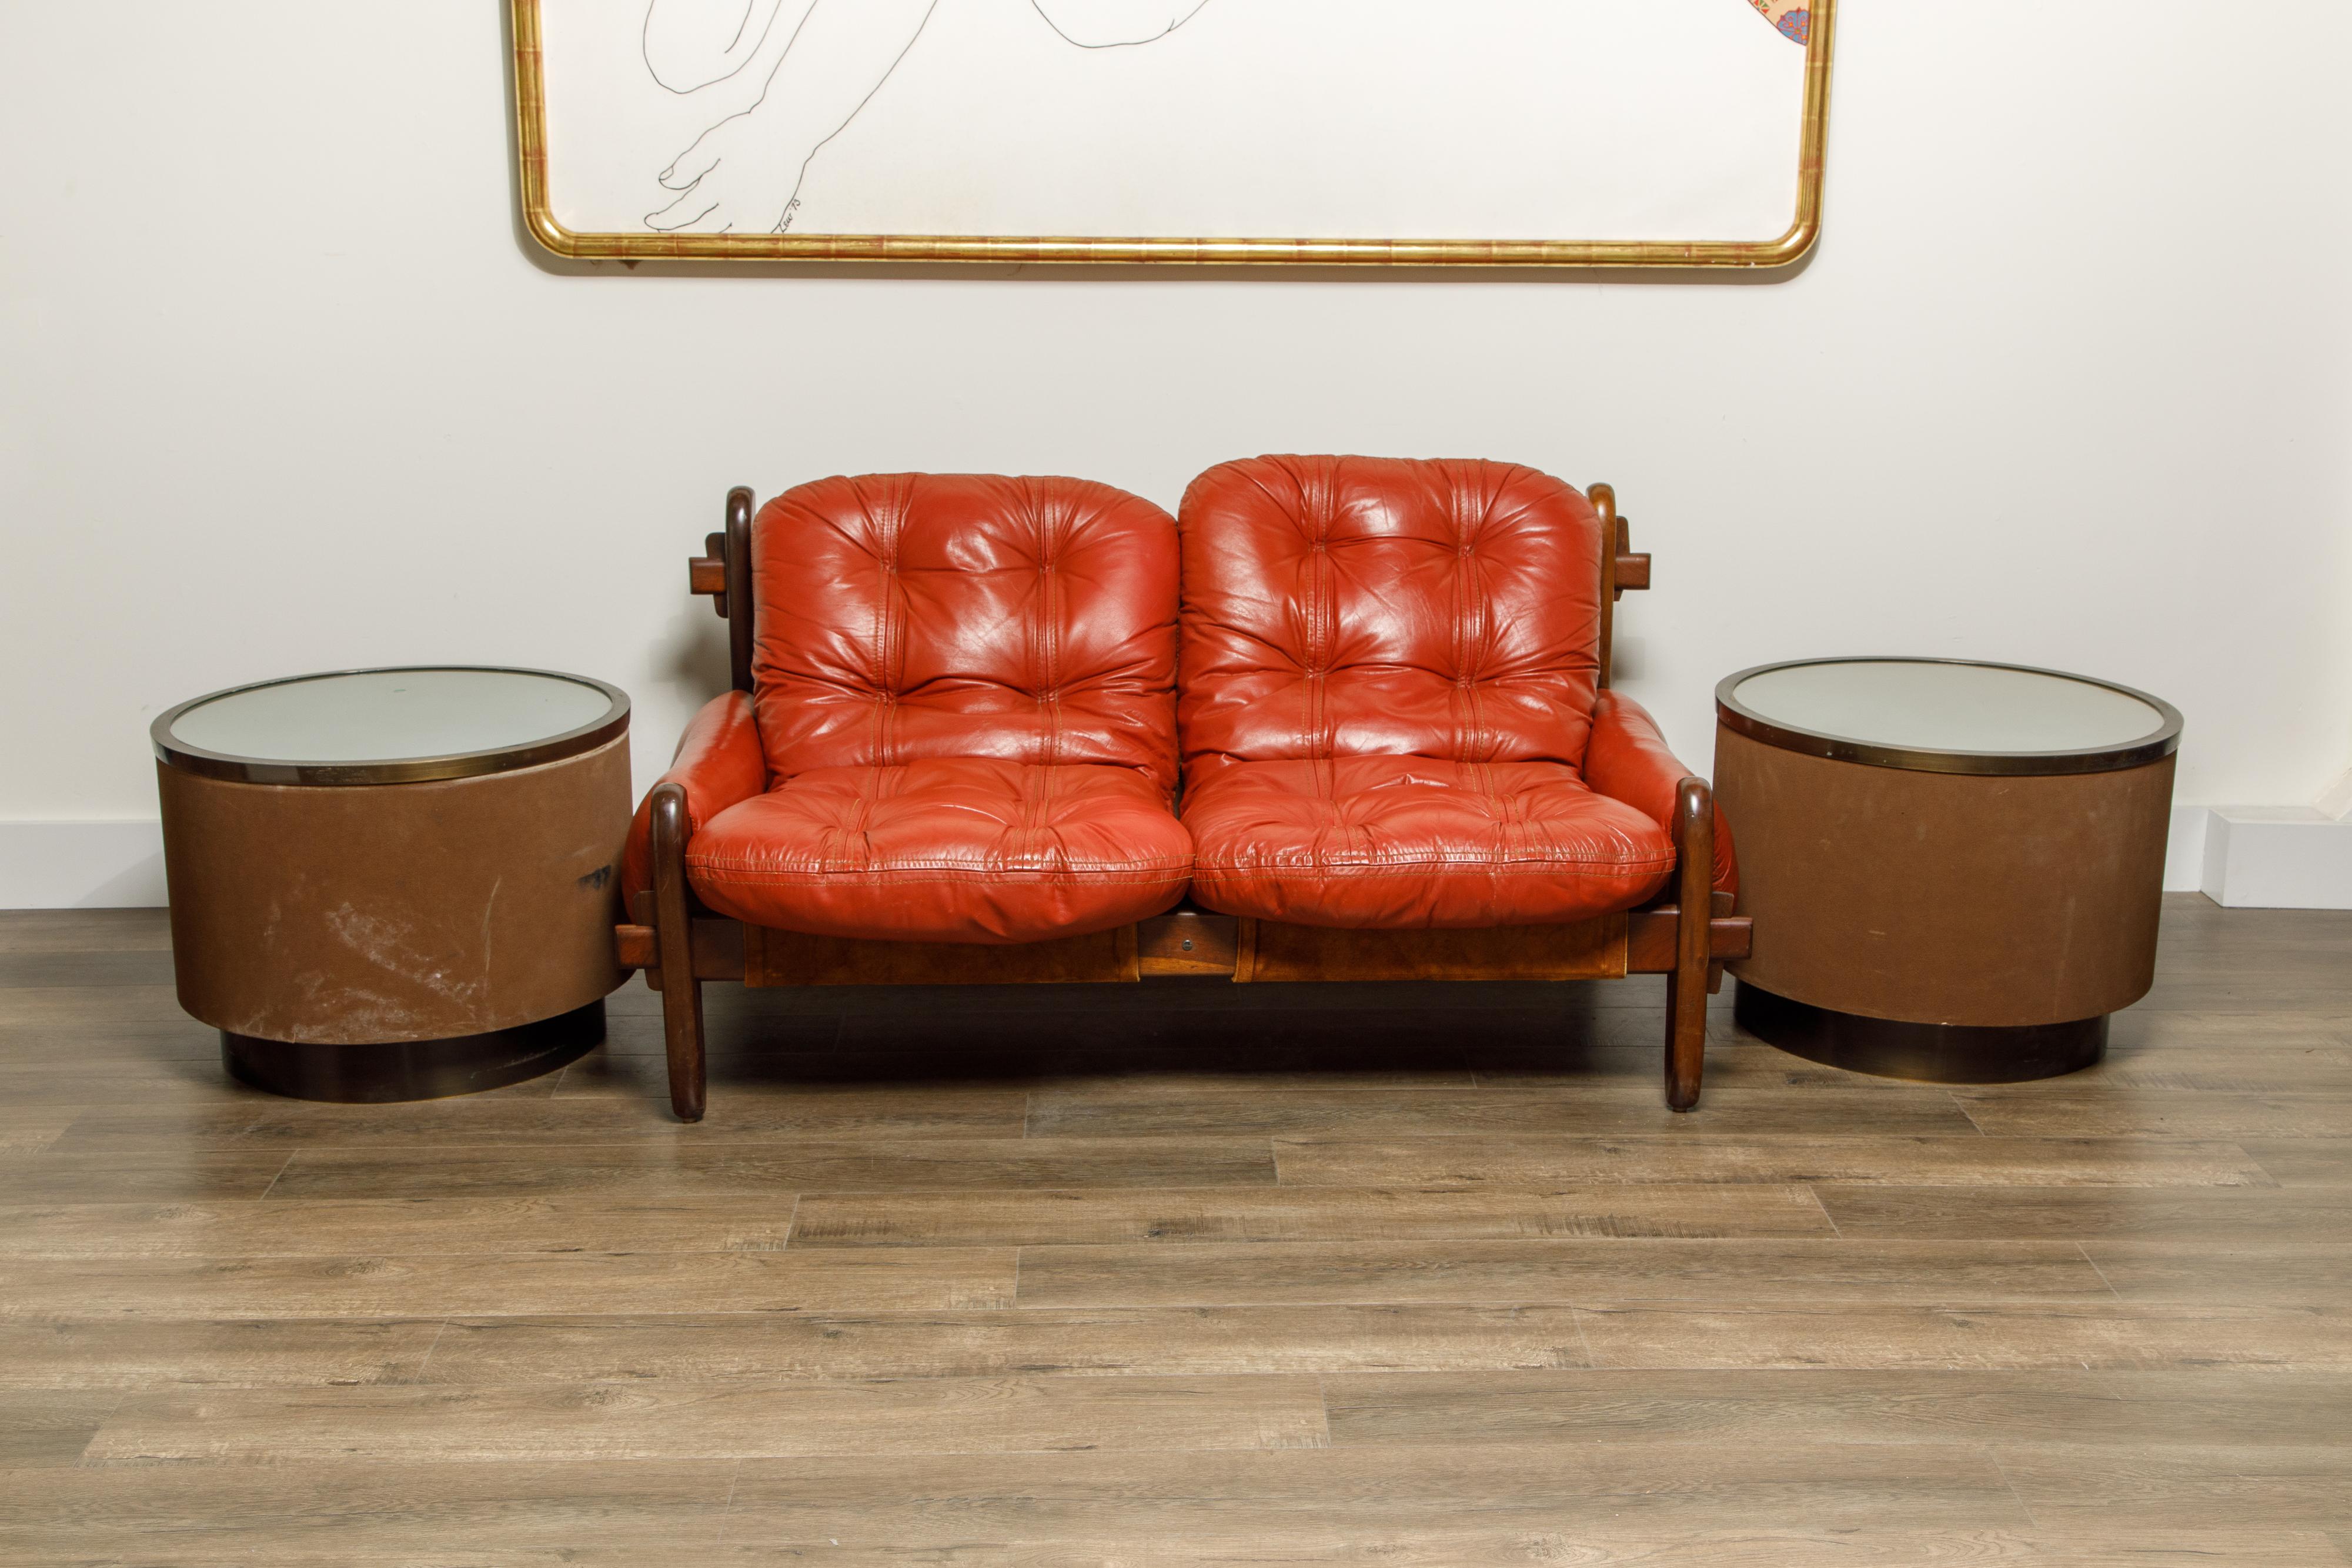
(963,706)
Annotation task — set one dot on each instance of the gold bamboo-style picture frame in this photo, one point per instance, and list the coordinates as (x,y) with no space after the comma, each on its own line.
(540,220)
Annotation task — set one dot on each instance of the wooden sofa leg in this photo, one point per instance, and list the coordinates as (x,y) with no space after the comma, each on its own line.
(673,937)
(1686,984)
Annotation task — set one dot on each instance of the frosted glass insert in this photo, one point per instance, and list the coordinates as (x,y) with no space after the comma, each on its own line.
(1947,708)
(391,716)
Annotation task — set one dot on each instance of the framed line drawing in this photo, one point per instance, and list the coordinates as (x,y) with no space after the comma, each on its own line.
(1675,134)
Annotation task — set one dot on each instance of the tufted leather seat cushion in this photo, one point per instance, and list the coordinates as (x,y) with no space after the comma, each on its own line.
(1399,841)
(1388,678)
(1360,606)
(946,850)
(964,689)
(905,616)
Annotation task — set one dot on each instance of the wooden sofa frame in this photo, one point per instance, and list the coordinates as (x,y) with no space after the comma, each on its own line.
(1686,934)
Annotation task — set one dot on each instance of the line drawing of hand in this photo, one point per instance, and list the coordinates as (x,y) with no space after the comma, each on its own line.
(809,67)
(745,172)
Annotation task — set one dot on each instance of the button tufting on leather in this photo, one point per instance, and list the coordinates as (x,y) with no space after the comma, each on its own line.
(961,664)
(963,849)
(1388,635)
(1429,689)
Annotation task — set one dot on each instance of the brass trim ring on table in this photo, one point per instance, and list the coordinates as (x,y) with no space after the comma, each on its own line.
(2153,747)
(237,769)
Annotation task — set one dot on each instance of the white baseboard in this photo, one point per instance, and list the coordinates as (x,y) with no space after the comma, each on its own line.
(2184,850)
(2277,857)
(2243,856)
(2260,857)
(81,865)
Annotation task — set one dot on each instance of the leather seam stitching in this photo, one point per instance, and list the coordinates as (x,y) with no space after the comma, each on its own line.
(1173,872)
(1429,868)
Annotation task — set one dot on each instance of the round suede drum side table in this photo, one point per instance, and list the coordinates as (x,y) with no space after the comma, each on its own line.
(396,885)
(1955,869)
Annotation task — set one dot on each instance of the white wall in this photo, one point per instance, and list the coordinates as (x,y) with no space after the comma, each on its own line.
(2066,383)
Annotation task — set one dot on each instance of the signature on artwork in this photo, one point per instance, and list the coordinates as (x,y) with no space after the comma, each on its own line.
(783,78)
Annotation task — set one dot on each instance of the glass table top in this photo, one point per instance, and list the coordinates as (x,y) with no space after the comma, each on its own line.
(388,717)
(1929,706)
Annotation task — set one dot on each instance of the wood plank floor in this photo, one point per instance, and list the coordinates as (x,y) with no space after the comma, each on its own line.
(1183,1274)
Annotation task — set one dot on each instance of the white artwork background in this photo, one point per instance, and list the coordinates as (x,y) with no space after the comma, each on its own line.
(1565,119)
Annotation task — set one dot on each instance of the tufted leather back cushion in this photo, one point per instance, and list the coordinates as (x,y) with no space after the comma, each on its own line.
(1363,606)
(910,616)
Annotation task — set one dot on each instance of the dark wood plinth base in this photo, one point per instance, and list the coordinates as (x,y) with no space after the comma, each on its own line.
(1934,1053)
(414,1068)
